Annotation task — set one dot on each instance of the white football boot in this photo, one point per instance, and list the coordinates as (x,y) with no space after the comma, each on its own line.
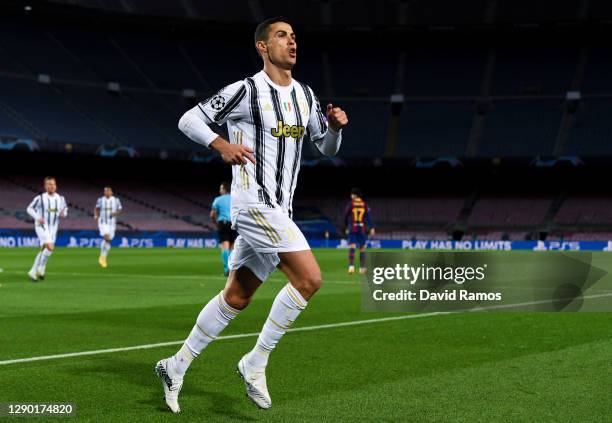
(33,276)
(172,385)
(255,383)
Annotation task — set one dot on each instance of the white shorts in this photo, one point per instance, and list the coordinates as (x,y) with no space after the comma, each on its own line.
(45,234)
(107,229)
(262,234)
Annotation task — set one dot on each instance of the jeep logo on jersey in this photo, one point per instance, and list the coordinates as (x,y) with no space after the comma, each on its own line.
(285,130)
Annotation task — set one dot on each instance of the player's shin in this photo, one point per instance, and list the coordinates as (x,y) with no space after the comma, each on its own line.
(105,248)
(351,256)
(213,318)
(36,262)
(225,253)
(287,306)
(44,258)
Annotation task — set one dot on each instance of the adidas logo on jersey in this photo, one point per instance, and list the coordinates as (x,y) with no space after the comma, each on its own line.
(283,129)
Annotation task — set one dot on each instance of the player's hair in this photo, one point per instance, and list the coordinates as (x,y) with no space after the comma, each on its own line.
(262,30)
(226,186)
(49,178)
(109,187)
(357,192)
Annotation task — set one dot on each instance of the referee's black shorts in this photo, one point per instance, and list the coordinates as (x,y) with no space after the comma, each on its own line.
(226,233)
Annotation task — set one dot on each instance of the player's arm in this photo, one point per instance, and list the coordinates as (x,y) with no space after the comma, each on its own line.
(64,211)
(96,210)
(325,129)
(227,104)
(369,222)
(33,210)
(119,209)
(214,210)
(347,214)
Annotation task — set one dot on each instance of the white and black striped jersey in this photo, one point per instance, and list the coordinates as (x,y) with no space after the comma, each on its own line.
(106,207)
(272,120)
(48,207)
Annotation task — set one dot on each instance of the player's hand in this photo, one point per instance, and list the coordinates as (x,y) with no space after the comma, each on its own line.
(41,221)
(336,117)
(235,154)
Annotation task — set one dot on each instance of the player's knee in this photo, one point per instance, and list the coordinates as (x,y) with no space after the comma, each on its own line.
(312,282)
(49,247)
(237,300)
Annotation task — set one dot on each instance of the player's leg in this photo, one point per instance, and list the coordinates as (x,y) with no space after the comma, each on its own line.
(43,238)
(362,262)
(225,253)
(33,270)
(104,249)
(351,254)
(214,317)
(104,245)
(304,275)
(45,254)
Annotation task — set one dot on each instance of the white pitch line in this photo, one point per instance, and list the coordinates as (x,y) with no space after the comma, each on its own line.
(237,336)
(302,329)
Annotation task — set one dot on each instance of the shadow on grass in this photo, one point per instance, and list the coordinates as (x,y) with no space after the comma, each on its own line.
(194,397)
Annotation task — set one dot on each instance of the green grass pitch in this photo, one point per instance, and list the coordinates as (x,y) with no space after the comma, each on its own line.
(522,367)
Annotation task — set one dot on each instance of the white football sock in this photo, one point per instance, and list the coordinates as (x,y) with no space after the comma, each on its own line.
(105,248)
(213,318)
(36,262)
(43,259)
(287,306)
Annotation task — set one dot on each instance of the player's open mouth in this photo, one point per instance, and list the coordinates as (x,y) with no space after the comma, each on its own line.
(292,53)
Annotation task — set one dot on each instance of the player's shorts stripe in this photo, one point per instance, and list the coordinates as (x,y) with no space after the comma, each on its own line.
(261,221)
(280,152)
(270,231)
(231,104)
(259,141)
(298,149)
(257,220)
(267,224)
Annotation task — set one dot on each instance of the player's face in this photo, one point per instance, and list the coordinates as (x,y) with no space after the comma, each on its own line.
(281,45)
(50,186)
(108,192)
(221,190)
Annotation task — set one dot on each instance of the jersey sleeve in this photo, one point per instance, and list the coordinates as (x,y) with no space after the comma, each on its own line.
(215,204)
(119,205)
(347,214)
(228,104)
(317,122)
(34,207)
(99,203)
(369,221)
(64,207)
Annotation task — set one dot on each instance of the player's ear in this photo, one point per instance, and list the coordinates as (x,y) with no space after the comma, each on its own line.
(261,46)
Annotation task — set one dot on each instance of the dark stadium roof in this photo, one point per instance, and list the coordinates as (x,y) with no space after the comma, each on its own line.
(360,13)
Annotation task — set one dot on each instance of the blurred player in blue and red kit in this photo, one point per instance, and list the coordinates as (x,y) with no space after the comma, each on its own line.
(358,221)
